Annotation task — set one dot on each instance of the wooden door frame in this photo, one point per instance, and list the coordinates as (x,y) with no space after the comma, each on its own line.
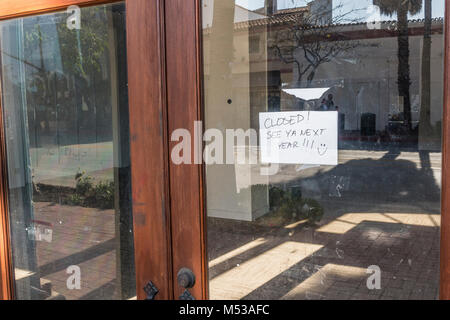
(444,290)
(165,86)
(188,182)
(149,156)
(185,106)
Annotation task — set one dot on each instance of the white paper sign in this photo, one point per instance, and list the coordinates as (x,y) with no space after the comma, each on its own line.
(300,137)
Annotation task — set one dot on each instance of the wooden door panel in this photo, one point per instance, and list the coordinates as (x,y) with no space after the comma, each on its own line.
(185,105)
(445,213)
(183,47)
(148,148)
(14,8)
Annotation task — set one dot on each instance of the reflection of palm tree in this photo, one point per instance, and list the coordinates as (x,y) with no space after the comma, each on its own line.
(425,129)
(402,8)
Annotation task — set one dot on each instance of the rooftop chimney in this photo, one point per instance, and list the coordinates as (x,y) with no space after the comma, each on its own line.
(271,6)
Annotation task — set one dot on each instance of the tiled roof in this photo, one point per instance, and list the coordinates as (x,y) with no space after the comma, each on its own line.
(276,20)
(291,10)
(287,16)
(281,17)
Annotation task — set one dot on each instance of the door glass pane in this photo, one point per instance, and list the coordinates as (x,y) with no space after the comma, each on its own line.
(65,103)
(323,148)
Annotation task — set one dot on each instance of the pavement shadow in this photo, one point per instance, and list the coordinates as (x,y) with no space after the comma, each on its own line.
(406,252)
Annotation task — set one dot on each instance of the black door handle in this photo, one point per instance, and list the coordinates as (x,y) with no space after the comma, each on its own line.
(186,280)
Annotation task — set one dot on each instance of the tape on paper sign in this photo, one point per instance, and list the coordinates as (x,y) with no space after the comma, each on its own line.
(303,137)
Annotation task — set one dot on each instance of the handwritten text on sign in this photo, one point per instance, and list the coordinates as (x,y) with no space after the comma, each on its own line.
(303,137)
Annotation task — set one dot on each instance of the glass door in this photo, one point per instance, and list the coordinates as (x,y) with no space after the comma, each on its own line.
(79,221)
(323,148)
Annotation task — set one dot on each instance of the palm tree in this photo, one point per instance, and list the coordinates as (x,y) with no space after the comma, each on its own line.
(426,136)
(402,8)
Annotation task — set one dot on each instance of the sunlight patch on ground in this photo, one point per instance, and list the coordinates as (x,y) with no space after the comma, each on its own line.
(243,279)
(316,285)
(22,274)
(237,252)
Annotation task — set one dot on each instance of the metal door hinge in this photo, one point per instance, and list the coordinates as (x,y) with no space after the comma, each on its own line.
(151,290)
(187,295)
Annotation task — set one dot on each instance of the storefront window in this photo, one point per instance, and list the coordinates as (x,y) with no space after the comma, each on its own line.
(65,102)
(333,110)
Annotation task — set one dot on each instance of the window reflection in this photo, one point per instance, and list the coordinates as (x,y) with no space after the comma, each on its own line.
(311,231)
(65,102)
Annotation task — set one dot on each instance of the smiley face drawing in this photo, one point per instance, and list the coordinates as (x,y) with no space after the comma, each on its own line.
(322,149)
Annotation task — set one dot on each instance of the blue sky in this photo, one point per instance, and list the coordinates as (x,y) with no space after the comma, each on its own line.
(347,6)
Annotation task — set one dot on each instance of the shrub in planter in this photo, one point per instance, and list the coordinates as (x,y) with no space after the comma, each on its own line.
(289,205)
(83,184)
(103,195)
(91,194)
